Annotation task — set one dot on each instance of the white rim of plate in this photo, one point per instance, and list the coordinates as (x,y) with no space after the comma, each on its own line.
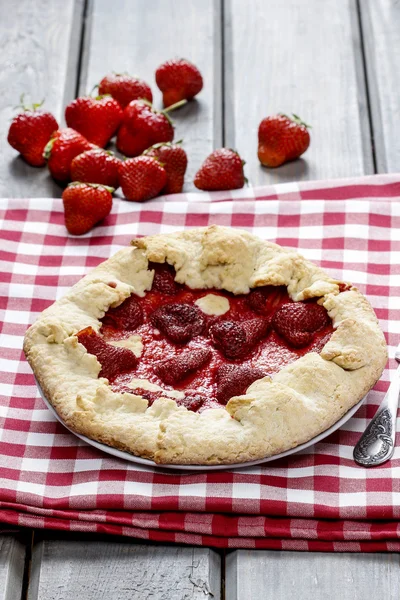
(190,468)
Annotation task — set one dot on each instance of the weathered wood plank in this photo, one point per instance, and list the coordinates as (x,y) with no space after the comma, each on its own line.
(12,560)
(381,28)
(140,36)
(39,56)
(268,575)
(90,570)
(303,57)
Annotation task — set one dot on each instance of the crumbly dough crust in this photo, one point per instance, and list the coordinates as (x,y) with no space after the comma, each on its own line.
(304,399)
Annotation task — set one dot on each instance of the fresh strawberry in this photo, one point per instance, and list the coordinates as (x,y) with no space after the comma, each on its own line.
(233,380)
(172,370)
(178,322)
(113,359)
(222,170)
(174,160)
(142,127)
(96,166)
(281,139)
(30,131)
(62,148)
(85,204)
(95,118)
(141,178)
(164,279)
(178,79)
(298,321)
(236,339)
(127,316)
(124,88)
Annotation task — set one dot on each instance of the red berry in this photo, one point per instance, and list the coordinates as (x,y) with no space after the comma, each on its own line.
(178,79)
(264,300)
(164,279)
(178,322)
(124,88)
(222,170)
(85,204)
(281,139)
(29,133)
(142,127)
(95,118)
(297,322)
(96,166)
(113,359)
(60,151)
(127,316)
(141,178)
(192,400)
(172,370)
(233,380)
(236,339)
(174,160)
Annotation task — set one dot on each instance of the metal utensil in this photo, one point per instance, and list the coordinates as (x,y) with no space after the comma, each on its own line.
(376,445)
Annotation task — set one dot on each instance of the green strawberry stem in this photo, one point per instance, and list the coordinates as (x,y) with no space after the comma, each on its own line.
(93,185)
(31,107)
(174,106)
(48,148)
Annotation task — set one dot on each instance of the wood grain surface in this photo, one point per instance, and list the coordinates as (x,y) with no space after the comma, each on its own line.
(12,558)
(40,43)
(141,35)
(269,575)
(381,28)
(303,57)
(82,570)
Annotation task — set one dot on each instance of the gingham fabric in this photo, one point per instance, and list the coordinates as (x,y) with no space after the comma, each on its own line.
(317,499)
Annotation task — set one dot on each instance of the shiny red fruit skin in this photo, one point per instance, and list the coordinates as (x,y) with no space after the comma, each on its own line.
(280,140)
(298,322)
(96,166)
(29,133)
(178,79)
(222,170)
(142,127)
(125,88)
(141,178)
(96,118)
(174,160)
(65,145)
(113,360)
(84,206)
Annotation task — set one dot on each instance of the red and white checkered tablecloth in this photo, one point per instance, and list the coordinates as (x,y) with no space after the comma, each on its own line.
(314,500)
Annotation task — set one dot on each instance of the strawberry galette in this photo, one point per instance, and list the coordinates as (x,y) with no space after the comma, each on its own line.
(208,346)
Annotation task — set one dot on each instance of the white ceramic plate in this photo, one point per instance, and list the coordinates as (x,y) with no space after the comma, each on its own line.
(150,463)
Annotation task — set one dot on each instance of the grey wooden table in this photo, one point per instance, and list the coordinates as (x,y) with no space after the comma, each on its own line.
(336,63)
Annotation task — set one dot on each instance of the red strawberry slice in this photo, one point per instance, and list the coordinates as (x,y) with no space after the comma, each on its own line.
(172,370)
(297,322)
(233,380)
(192,400)
(128,315)
(266,299)
(178,322)
(113,360)
(236,339)
(164,279)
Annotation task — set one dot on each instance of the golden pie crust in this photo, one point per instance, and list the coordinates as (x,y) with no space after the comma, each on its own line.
(275,414)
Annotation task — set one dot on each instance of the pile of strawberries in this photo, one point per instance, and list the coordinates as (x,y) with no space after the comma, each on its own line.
(152,163)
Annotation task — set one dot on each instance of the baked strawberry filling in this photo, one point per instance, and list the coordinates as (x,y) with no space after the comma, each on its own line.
(201,347)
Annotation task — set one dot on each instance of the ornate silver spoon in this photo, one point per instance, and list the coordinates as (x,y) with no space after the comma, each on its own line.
(376,445)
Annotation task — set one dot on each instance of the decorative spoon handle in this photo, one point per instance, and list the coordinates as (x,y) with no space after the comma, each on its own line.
(376,445)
